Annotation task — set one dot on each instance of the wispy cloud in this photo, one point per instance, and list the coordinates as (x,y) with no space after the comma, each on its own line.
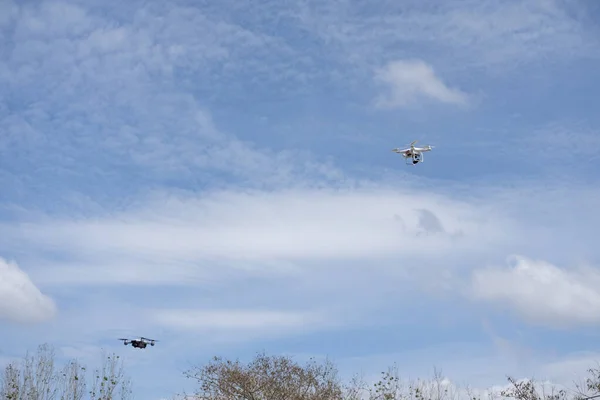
(20,300)
(240,325)
(307,249)
(577,139)
(105,102)
(410,81)
(186,240)
(462,34)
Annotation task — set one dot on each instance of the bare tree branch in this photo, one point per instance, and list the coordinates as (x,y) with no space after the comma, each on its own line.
(37,377)
(266,378)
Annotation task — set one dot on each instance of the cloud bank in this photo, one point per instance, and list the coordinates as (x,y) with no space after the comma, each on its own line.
(541,292)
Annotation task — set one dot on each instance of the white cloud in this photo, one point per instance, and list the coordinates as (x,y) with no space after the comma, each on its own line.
(189,240)
(20,300)
(541,292)
(410,81)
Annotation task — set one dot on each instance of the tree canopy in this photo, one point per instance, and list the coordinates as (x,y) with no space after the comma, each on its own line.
(39,376)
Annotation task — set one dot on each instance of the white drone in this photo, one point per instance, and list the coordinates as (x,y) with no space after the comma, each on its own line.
(413,155)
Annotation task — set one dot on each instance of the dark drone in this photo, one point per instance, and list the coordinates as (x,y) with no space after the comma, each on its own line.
(140,343)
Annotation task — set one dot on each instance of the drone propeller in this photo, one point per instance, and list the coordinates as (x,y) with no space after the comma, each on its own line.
(411,148)
(411,145)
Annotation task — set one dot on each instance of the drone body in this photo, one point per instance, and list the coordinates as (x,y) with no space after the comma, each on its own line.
(140,343)
(413,155)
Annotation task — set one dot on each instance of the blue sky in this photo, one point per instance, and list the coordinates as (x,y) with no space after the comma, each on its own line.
(219,177)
